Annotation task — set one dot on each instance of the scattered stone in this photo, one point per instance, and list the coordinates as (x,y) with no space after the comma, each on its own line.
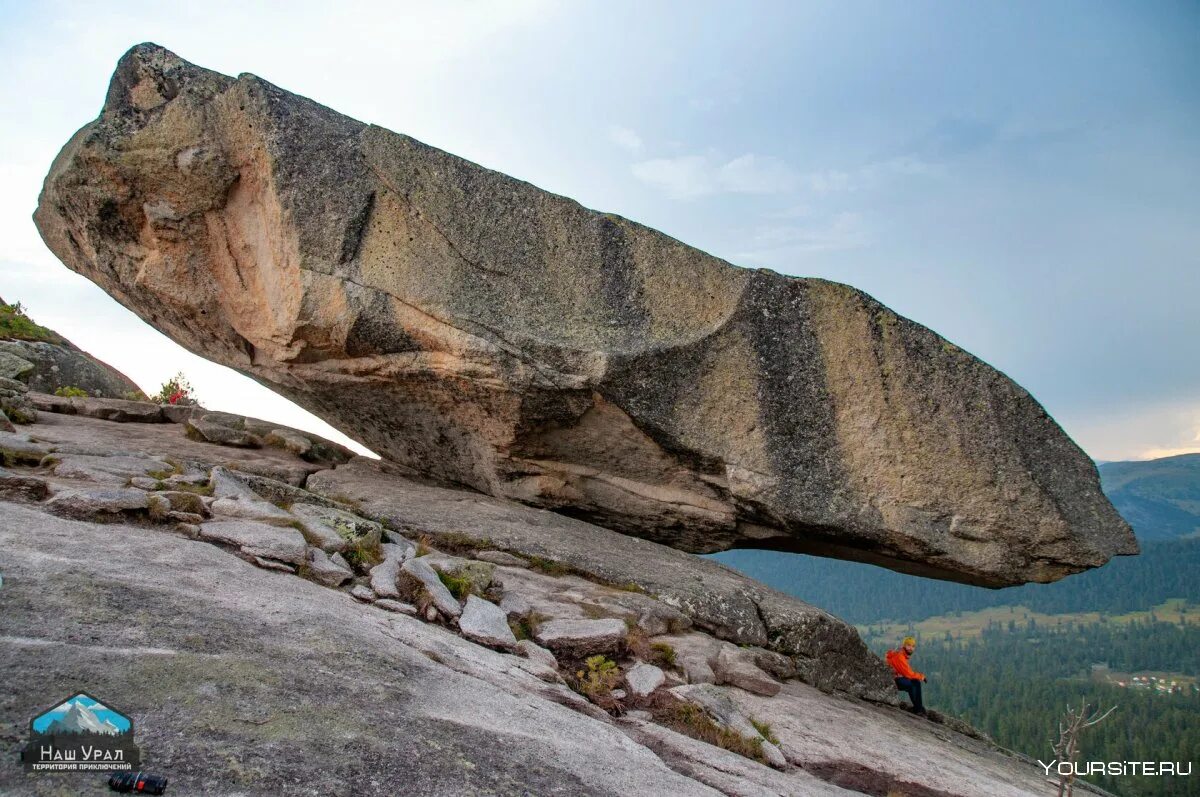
(185,518)
(774,755)
(332,571)
(643,678)
(190,530)
(618,694)
(145,483)
(736,667)
(44,402)
(5,424)
(20,487)
(431,613)
(502,558)
(478,574)
(384,576)
(695,656)
(399,607)
(257,539)
(720,708)
(98,503)
(14,367)
(158,506)
(485,623)
(119,410)
(532,650)
(333,529)
(117,469)
(252,509)
(19,449)
(419,569)
(290,440)
(539,669)
(271,564)
(362,593)
(183,501)
(181,413)
(515,604)
(207,428)
(582,637)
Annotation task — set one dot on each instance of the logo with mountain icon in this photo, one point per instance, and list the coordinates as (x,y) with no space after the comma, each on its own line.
(80,734)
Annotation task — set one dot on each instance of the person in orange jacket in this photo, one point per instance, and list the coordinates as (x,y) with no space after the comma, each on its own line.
(908,679)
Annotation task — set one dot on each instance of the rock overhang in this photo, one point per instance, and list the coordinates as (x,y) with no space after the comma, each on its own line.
(487,333)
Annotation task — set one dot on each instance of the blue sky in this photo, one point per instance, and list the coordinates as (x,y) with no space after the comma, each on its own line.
(1021,177)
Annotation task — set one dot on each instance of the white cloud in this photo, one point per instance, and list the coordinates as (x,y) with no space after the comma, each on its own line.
(625,138)
(777,244)
(870,176)
(693,176)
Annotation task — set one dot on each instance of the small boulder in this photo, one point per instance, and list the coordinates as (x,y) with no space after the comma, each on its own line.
(289,440)
(99,503)
(19,449)
(331,571)
(20,487)
(207,428)
(14,367)
(419,569)
(515,604)
(334,529)
(117,469)
(399,607)
(256,539)
(642,679)
(532,650)
(183,501)
(502,558)
(119,410)
(5,424)
(484,622)
(737,668)
(384,576)
(362,593)
(582,637)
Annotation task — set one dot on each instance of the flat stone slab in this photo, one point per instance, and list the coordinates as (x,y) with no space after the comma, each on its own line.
(22,486)
(582,637)
(257,539)
(332,571)
(445,602)
(115,469)
(98,502)
(642,679)
(485,623)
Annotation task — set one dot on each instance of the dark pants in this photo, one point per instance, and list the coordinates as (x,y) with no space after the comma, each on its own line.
(913,687)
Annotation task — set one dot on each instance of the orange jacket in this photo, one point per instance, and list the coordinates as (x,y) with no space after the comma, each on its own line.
(899,661)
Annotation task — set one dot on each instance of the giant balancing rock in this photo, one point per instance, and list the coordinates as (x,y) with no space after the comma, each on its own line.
(491,334)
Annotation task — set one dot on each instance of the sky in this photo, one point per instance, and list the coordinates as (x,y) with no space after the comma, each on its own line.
(1022,177)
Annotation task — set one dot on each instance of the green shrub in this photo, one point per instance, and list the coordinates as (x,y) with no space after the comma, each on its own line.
(663,654)
(70,391)
(15,325)
(176,390)
(765,729)
(691,720)
(599,676)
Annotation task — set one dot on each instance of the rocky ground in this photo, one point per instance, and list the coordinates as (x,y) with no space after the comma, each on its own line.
(281,618)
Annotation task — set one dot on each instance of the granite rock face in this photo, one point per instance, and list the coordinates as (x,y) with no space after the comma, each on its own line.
(490,334)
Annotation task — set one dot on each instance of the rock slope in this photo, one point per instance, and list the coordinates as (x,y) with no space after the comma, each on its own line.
(273,637)
(490,334)
(45,361)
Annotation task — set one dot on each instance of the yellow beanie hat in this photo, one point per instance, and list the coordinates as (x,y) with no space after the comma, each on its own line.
(909,641)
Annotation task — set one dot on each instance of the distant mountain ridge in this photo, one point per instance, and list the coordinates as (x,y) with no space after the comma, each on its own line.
(1160,498)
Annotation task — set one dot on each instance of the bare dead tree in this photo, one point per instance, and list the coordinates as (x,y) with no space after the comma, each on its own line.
(1072,725)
